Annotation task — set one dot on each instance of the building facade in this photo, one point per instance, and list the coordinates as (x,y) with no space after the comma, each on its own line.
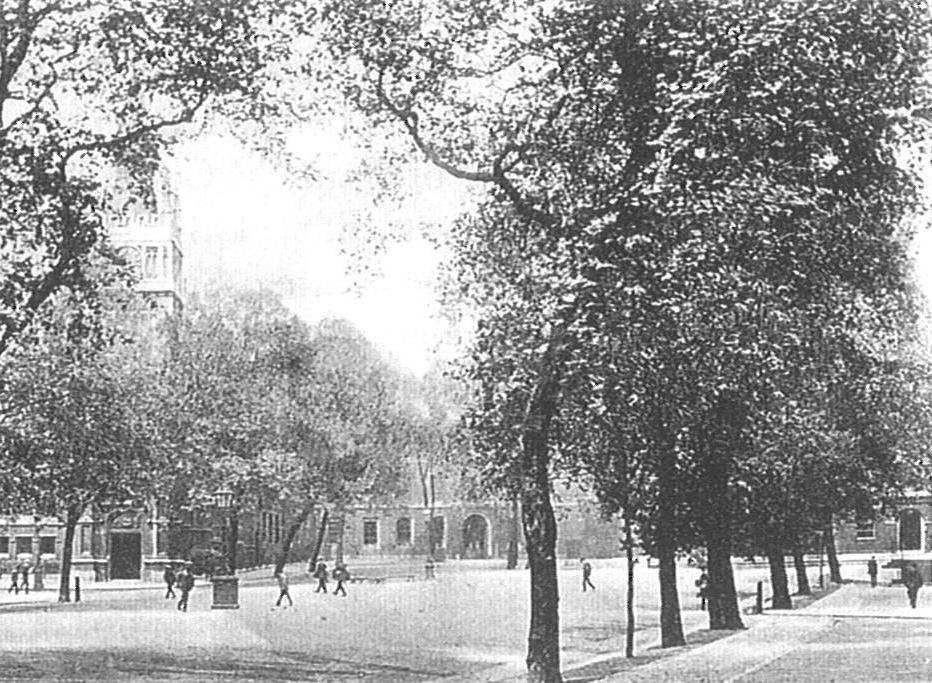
(908,532)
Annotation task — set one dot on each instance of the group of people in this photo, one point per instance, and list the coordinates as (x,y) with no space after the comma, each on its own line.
(19,578)
(183,580)
(340,574)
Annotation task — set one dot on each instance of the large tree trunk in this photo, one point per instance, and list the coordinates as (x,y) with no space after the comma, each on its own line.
(293,529)
(629,598)
(802,577)
(321,531)
(716,444)
(540,525)
(724,613)
(778,579)
(671,626)
(71,522)
(834,568)
(512,561)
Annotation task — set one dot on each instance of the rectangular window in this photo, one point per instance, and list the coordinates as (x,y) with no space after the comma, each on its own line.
(23,545)
(272,526)
(4,545)
(82,540)
(334,530)
(47,545)
(150,268)
(403,531)
(370,532)
(864,531)
(438,531)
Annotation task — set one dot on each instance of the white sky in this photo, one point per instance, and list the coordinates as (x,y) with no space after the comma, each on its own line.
(242,224)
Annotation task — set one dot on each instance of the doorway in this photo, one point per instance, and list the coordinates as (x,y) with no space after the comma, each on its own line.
(125,555)
(475,537)
(910,530)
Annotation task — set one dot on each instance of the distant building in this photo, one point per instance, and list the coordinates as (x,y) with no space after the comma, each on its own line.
(907,532)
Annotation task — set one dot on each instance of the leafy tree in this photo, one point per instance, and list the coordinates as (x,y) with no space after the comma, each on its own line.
(90,87)
(81,379)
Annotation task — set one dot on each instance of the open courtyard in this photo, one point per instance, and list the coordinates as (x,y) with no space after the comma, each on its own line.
(469,623)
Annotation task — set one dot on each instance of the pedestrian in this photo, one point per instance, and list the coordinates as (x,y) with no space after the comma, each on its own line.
(168,576)
(321,575)
(586,573)
(185,582)
(14,581)
(24,580)
(912,579)
(340,575)
(283,589)
(872,571)
(702,583)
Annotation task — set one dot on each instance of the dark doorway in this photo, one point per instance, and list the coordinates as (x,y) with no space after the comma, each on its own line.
(125,555)
(475,537)
(910,530)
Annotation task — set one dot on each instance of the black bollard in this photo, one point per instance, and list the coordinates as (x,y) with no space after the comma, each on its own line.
(77,589)
(759,606)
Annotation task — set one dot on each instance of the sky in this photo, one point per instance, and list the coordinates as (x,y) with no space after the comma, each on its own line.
(244,224)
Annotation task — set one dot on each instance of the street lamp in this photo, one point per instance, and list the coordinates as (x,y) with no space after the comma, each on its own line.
(226,588)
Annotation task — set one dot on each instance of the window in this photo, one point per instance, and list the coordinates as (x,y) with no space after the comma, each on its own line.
(24,545)
(864,530)
(403,531)
(4,545)
(272,526)
(370,532)
(47,545)
(334,530)
(151,264)
(83,546)
(166,267)
(438,528)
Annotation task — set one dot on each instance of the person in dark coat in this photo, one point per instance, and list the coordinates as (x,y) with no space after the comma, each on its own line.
(24,574)
(185,582)
(702,583)
(14,581)
(912,579)
(168,576)
(586,574)
(321,575)
(872,571)
(340,575)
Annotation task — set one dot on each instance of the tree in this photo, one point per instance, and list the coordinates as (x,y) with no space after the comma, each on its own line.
(91,90)
(628,142)
(81,379)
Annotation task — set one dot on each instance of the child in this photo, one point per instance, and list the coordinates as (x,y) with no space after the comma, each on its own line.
(340,574)
(283,589)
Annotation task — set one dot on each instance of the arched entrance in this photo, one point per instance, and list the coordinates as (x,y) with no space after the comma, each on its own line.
(910,530)
(475,537)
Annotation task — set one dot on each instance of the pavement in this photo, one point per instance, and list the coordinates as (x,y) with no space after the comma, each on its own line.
(856,633)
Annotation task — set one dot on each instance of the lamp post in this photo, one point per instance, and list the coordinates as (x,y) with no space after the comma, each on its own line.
(225,588)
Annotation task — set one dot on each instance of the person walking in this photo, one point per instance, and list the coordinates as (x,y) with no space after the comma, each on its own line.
(24,577)
(340,575)
(14,581)
(321,575)
(283,589)
(586,574)
(912,579)
(185,582)
(168,576)
(702,583)
(872,571)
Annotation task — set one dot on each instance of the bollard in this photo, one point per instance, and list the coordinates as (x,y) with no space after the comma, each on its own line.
(77,589)
(759,605)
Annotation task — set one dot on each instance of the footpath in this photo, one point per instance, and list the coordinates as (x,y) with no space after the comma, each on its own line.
(856,633)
